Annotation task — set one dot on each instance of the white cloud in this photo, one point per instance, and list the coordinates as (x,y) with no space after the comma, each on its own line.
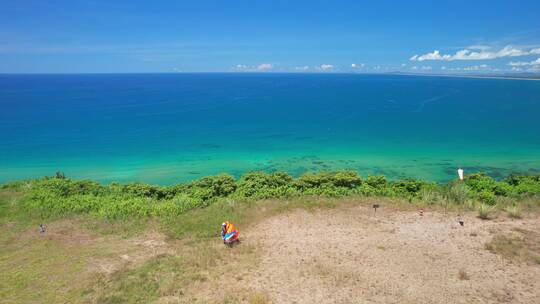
(253,68)
(423,68)
(479,47)
(241,67)
(476,67)
(535,51)
(518,63)
(524,63)
(435,55)
(357,66)
(475,53)
(302,68)
(265,67)
(326,67)
(481,67)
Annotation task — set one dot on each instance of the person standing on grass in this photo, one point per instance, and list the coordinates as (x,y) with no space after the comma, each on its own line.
(229,233)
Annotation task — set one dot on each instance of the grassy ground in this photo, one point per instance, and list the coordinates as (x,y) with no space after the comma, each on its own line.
(89,260)
(81,259)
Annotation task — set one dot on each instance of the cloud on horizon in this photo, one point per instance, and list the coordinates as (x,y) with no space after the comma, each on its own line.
(524,63)
(326,67)
(476,53)
(265,67)
(301,68)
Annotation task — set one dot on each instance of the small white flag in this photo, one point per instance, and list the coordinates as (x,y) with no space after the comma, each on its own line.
(460,173)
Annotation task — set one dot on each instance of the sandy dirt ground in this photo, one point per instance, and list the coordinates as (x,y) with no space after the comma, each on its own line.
(353,256)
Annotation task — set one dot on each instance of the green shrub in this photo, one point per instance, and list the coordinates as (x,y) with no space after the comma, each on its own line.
(408,187)
(502,189)
(143,190)
(479,182)
(524,184)
(314,180)
(264,185)
(487,197)
(67,187)
(214,186)
(377,181)
(328,183)
(346,179)
(59,196)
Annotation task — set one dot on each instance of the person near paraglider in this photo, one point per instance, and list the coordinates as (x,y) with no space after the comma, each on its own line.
(229,233)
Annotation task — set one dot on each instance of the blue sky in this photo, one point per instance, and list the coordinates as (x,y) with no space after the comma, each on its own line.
(269,36)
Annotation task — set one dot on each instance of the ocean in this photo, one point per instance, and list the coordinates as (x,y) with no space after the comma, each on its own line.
(170,128)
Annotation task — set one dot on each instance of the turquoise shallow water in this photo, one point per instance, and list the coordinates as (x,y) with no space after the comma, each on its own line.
(167,128)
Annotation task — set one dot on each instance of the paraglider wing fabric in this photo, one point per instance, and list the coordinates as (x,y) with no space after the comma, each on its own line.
(230,236)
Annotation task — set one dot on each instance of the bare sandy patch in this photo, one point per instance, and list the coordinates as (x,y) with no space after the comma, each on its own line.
(353,256)
(124,254)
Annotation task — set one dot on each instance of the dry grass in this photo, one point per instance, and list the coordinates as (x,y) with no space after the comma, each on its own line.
(513,212)
(486,212)
(521,247)
(259,298)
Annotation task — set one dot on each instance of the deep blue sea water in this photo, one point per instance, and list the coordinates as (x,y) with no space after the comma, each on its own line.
(167,128)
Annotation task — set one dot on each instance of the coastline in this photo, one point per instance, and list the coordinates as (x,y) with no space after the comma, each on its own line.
(470,76)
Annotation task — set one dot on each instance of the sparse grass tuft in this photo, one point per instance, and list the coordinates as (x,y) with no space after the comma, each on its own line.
(259,298)
(458,193)
(470,204)
(430,197)
(504,202)
(513,212)
(485,212)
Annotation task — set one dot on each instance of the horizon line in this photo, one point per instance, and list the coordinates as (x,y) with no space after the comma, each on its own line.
(515,76)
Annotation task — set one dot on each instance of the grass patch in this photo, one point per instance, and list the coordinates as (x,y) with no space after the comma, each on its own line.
(259,298)
(485,212)
(524,247)
(513,212)
(142,285)
(458,193)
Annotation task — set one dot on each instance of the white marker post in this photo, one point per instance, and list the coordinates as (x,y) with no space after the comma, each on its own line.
(460,173)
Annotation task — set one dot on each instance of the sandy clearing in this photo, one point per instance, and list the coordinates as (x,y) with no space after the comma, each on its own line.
(351,256)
